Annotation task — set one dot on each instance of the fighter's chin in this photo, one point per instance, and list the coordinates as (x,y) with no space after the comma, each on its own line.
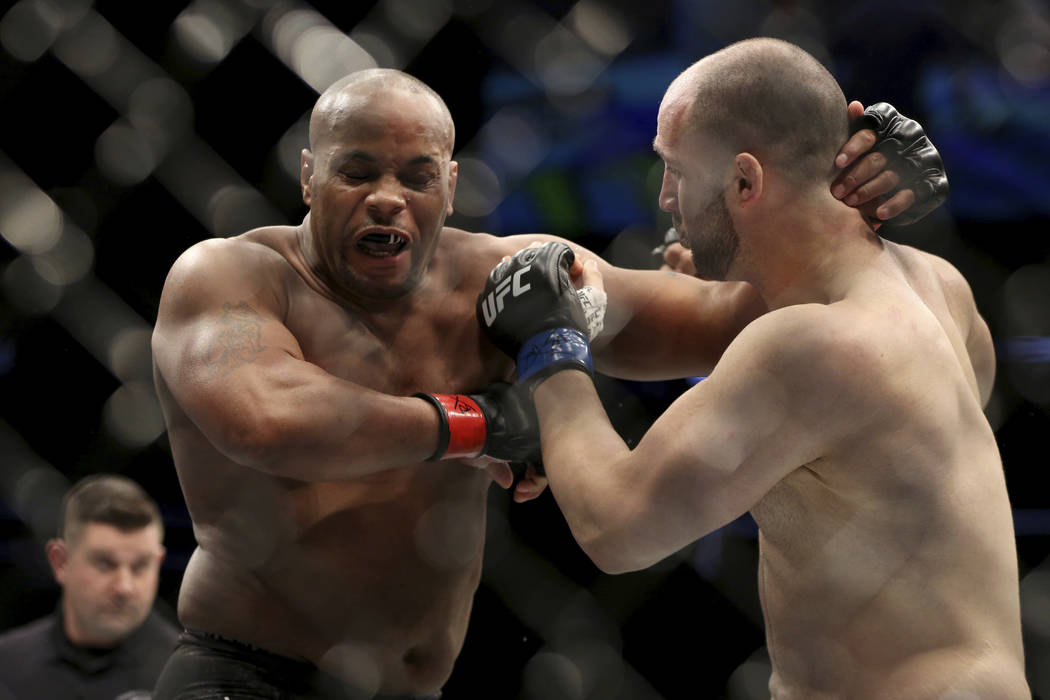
(380,287)
(708,268)
(380,277)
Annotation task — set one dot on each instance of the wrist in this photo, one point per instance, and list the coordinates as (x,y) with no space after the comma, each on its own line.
(553,350)
(462,427)
(557,390)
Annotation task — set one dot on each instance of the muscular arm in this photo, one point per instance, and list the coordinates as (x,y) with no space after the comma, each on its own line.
(660,324)
(708,459)
(222,350)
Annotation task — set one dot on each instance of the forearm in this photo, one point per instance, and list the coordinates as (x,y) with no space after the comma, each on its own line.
(674,326)
(588,468)
(316,427)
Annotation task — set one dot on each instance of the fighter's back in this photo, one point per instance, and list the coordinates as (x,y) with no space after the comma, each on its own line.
(371,577)
(888,566)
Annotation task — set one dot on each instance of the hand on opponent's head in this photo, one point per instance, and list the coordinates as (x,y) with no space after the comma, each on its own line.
(900,177)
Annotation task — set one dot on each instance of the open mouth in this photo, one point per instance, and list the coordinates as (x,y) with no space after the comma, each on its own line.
(382,245)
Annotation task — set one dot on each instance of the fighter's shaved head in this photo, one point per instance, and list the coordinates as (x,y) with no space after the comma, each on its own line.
(772,99)
(356,88)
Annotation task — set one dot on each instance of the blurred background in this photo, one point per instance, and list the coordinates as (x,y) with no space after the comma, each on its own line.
(132,130)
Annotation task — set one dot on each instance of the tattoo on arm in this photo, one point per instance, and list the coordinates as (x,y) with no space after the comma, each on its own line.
(238,341)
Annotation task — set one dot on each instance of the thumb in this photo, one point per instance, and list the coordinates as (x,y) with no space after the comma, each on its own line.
(501,474)
(591,276)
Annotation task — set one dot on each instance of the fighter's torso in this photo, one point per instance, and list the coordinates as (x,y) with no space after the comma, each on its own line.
(370,578)
(888,567)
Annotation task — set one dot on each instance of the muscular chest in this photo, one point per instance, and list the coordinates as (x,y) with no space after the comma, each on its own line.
(435,346)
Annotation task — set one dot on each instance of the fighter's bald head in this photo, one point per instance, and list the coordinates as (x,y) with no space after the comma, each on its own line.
(357,89)
(770,98)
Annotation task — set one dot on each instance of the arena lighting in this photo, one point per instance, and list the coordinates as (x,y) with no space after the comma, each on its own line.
(54,276)
(551,53)
(209,29)
(1030,349)
(311,46)
(30,486)
(29,28)
(601,27)
(156,138)
(1023,47)
(29,220)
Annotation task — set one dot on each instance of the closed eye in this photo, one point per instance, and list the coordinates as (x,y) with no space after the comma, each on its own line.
(355,176)
(419,180)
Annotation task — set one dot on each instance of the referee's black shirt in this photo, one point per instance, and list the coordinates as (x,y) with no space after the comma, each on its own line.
(38,662)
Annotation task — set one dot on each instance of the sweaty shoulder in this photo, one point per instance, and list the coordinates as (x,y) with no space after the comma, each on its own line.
(469,257)
(486,244)
(804,337)
(253,264)
(463,245)
(929,272)
(826,356)
(957,291)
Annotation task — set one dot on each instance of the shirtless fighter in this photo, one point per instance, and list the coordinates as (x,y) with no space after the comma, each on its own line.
(848,420)
(334,560)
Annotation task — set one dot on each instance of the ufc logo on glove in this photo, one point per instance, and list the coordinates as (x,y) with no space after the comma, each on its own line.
(533,314)
(493,303)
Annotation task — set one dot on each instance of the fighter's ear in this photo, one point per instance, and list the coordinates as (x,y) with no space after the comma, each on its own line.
(306,173)
(748,179)
(453,177)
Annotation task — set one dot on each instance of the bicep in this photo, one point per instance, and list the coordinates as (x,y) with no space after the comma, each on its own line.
(220,344)
(203,349)
(722,446)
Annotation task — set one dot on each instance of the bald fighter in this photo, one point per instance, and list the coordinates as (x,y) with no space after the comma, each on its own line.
(848,420)
(327,389)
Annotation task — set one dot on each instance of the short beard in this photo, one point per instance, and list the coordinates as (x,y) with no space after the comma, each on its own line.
(716,248)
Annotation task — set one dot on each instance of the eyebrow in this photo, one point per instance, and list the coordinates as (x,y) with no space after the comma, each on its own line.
(358,155)
(663,156)
(368,157)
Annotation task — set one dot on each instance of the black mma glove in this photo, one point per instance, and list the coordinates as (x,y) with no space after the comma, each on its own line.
(531,311)
(499,422)
(911,155)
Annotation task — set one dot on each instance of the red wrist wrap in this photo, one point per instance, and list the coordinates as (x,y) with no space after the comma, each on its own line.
(466,426)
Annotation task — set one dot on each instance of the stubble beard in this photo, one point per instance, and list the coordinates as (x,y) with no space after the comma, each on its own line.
(716,247)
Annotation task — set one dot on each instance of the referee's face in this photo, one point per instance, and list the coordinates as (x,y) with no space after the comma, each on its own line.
(109,579)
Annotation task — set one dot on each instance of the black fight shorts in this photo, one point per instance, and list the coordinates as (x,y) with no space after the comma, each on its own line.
(208,667)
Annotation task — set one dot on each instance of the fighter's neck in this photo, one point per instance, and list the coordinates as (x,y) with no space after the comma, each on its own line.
(811,260)
(380,308)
